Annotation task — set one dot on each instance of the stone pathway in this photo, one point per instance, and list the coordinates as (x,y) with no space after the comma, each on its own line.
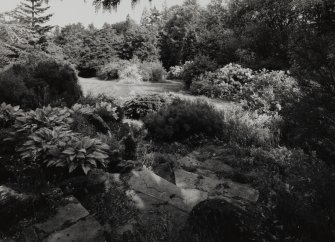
(71,223)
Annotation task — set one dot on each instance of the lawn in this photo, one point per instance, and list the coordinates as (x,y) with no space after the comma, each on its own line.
(115,89)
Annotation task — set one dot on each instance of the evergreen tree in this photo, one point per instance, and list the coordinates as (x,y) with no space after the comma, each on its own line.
(33,14)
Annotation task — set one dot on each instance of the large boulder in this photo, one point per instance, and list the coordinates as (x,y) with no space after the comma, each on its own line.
(15,206)
(217,220)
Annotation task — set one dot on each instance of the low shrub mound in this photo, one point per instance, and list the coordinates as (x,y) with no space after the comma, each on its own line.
(140,106)
(36,84)
(183,119)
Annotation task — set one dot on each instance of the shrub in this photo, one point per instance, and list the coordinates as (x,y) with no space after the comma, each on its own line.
(270,91)
(131,74)
(250,128)
(175,73)
(310,124)
(192,69)
(62,148)
(152,71)
(296,191)
(112,70)
(38,84)
(140,106)
(225,83)
(183,119)
(264,91)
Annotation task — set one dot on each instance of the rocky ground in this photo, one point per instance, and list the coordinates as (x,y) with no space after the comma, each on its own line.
(159,201)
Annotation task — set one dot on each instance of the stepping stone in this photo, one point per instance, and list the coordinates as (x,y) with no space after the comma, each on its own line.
(87,230)
(65,216)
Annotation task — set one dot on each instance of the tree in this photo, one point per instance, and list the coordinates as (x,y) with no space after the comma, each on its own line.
(33,14)
(175,36)
(109,4)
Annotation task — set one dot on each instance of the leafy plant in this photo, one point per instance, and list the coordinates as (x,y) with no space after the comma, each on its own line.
(62,148)
(8,114)
(46,117)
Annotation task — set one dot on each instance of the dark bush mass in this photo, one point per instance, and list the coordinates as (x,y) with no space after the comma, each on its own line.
(183,119)
(38,84)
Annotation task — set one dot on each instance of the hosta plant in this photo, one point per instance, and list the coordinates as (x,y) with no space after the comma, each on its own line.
(46,117)
(62,148)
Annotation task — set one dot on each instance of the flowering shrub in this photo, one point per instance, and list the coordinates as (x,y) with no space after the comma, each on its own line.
(131,74)
(111,71)
(175,72)
(152,71)
(264,91)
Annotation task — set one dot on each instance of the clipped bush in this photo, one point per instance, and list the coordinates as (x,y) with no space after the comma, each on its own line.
(32,85)
(183,119)
(140,106)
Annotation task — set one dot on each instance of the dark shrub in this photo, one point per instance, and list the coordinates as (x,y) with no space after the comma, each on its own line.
(310,124)
(140,106)
(32,84)
(200,65)
(183,119)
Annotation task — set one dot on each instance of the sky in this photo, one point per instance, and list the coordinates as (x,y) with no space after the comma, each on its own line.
(74,11)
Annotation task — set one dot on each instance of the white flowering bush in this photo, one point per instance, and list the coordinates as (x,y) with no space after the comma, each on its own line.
(176,72)
(131,75)
(264,91)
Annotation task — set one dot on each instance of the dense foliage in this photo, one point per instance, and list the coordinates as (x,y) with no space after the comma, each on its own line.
(140,106)
(36,83)
(183,119)
(264,91)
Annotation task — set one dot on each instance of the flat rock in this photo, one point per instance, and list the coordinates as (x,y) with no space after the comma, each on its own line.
(65,216)
(190,163)
(215,187)
(87,230)
(162,191)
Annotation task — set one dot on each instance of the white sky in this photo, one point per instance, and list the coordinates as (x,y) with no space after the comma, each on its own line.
(74,11)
